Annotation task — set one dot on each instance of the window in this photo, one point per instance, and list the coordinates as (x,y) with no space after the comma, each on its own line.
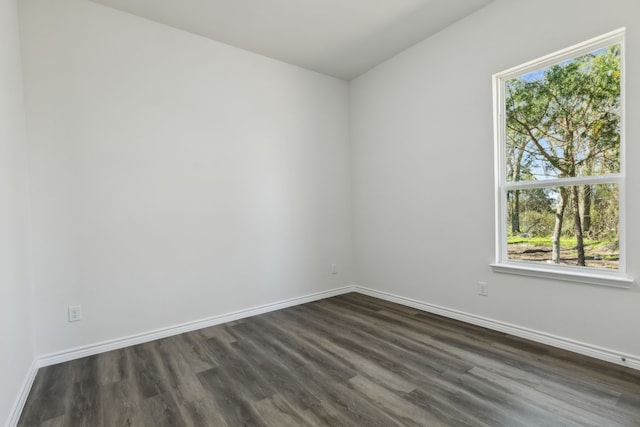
(559,127)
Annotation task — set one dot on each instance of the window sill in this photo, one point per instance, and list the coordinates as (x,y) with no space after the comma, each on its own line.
(600,277)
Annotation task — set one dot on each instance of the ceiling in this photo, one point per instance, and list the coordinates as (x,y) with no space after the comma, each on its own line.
(341,38)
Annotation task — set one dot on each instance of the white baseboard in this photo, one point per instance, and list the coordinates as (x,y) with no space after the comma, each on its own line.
(101,347)
(21,399)
(519,331)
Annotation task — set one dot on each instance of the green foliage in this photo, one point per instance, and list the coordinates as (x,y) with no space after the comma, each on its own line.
(567,119)
(605,213)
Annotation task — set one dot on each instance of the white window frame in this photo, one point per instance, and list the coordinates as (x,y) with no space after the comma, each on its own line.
(502,264)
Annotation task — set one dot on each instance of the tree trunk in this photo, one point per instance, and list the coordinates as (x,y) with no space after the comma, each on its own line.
(557,228)
(515,213)
(577,224)
(515,207)
(587,197)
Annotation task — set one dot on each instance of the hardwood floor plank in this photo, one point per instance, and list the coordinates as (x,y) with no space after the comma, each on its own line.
(409,346)
(145,370)
(400,409)
(443,407)
(84,369)
(379,367)
(630,406)
(350,360)
(221,332)
(235,407)
(179,375)
(237,367)
(204,413)
(278,373)
(489,403)
(162,410)
(111,367)
(277,412)
(121,404)
(271,343)
(195,354)
(353,409)
(308,395)
(54,422)
(84,407)
(291,336)
(542,403)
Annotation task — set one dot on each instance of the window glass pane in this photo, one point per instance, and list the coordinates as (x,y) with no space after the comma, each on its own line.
(564,120)
(536,218)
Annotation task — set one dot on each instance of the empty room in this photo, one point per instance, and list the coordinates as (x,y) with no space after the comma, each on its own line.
(319,213)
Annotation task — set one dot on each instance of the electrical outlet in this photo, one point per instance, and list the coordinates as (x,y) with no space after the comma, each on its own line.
(334,268)
(483,289)
(75,313)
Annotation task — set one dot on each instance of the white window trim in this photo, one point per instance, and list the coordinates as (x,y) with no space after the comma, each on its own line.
(594,276)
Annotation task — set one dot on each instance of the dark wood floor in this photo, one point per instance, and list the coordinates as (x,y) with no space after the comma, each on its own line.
(351,360)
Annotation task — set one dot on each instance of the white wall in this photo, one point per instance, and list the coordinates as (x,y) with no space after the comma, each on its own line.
(174,178)
(422,149)
(15,320)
